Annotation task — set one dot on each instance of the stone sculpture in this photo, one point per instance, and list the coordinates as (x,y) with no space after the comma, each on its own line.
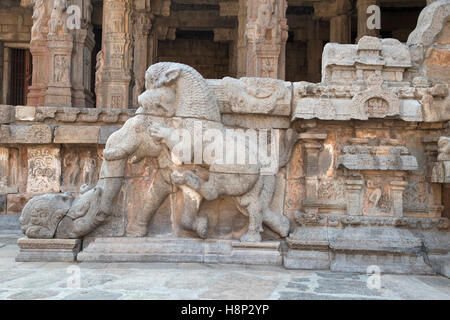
(175,98)
(58,17)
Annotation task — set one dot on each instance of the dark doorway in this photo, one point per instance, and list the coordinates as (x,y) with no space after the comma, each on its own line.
(20,76)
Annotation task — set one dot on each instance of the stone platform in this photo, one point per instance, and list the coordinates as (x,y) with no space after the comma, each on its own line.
(53,250)
(179,250)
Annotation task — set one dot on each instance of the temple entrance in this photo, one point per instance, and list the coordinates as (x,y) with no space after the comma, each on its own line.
(20,71)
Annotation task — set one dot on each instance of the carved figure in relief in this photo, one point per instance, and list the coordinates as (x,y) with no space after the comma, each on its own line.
(38,28)
(89,167)
(61,69)
(254,94)
(179,90)
(72,168)
(177,96)
(267,19)
(444,148)
(58,17)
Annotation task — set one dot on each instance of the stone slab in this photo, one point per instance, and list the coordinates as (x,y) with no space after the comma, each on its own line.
(179,250)
(24,134)
(376,239)
(307,259)
(387,262)
(77,134)
(51,250)
(440,263)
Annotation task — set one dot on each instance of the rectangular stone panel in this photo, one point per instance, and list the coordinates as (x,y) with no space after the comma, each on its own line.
(33,134)
(44,170)
(77,134)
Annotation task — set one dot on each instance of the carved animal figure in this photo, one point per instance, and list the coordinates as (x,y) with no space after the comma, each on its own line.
(180,91)
(42,214)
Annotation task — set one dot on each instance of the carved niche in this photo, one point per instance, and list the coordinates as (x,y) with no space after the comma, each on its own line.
(375,102)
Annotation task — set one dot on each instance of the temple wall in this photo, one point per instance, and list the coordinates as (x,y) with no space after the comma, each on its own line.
(368,172)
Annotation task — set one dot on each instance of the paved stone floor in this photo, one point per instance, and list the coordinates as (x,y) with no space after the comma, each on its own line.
(196,281)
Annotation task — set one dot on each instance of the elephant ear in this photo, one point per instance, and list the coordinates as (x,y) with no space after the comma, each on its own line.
(171,75)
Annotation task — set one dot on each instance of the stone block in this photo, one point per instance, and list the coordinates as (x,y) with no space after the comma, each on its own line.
(387,262)
(393,250)
(23,134)
(6,114)
(440,263)
(77,134)
(53,250)
(179,251)
(306,259)
(25,113)
(377,158)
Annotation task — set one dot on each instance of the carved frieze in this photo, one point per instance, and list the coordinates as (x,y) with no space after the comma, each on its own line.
(44,170)
(358,157)
(256,96)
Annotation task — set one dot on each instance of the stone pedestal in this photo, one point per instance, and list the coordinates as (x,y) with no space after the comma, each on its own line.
(308,249)
(392,250)
(179,250)
(52,250)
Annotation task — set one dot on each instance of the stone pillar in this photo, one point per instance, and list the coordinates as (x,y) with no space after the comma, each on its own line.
(267,34)
(312,146)
(114,63)
(354,197)
(241,43)
(142,25)
(397,188)
(363,30)
(60,47)
(84,42)
(39,51)
(231,36)
(340,29)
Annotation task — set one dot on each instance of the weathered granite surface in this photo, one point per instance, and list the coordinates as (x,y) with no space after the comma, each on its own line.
(361,172)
